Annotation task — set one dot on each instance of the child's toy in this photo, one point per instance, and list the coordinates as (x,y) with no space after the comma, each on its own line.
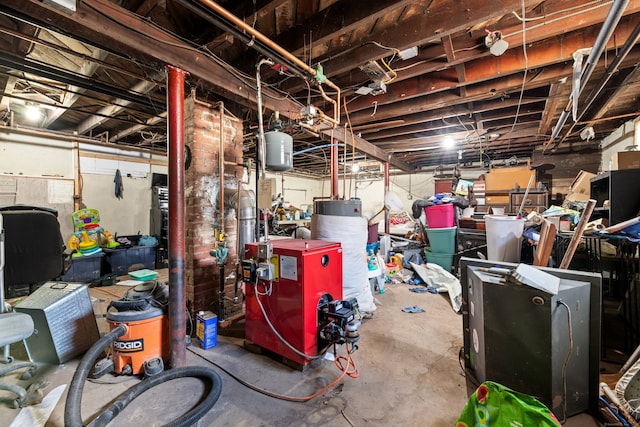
(90,236)
(87,246)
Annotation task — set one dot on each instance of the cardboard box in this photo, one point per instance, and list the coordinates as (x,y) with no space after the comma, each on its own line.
(625,160)
(497,200)
(479,187)
(267,189)
(580,188)
(507,178)
(206,329)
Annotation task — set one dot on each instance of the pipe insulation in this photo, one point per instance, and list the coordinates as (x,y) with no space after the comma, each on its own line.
(351,232)
(608,27)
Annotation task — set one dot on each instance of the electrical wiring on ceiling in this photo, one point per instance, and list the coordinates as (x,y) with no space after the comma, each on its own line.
(526,70)
(597,4)
(189,45)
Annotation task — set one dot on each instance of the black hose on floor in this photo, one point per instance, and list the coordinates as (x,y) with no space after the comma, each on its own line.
(73,405)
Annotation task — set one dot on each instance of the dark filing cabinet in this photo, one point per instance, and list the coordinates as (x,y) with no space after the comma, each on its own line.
(617,195)
(160,222)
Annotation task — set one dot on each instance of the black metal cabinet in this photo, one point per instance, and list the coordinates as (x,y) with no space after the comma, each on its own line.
(617,195)
(160,222)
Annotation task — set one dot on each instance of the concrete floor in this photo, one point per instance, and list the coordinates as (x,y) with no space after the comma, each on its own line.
(409,375)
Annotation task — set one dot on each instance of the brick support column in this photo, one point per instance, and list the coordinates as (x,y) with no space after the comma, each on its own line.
(202,193)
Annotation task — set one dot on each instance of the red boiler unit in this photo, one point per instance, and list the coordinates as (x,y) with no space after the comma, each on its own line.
(297,284)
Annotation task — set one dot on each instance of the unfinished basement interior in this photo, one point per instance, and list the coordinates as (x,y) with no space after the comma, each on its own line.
(319,213)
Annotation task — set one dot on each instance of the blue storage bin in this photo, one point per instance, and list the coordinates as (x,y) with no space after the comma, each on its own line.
(121,259)
(84,269)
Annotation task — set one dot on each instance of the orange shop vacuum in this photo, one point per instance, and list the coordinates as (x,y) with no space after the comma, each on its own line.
(139,344)
(144,348)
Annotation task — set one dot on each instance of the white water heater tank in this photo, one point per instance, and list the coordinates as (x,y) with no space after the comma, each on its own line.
(279,151)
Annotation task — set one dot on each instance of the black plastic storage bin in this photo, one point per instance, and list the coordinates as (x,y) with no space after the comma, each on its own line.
(84,269)
(120,260)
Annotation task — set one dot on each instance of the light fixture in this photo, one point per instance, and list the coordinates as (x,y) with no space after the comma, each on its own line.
(587,133)
(447,142)
(33,113)
(375,88)
(493,40)
(355,168)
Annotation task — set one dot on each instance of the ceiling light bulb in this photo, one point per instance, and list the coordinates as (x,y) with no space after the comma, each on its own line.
(499,47)
(447,142)
(33,113)
(493,40)
(355,168)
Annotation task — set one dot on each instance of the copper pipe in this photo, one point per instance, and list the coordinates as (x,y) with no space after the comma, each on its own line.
(336,107)
(77,177)
(334,170)
(221,295)
(258,35)
(177,299)
(221,165)
(273,46)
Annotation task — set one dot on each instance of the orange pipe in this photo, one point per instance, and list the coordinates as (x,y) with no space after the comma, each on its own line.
(282,52)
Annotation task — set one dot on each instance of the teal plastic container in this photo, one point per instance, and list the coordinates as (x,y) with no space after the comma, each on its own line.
(443,260)
(442,240)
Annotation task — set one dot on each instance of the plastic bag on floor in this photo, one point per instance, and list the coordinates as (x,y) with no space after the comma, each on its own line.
(495,405)
(442,280)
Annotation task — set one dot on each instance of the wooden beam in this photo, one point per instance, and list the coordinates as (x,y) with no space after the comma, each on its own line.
(339,18)
(374,151)
(113,28)
(540,55)
(424,28)
(551,106)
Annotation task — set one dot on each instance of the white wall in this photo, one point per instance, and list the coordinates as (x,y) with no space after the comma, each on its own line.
(297,190)
(617,141)
(36,155)
(409,187)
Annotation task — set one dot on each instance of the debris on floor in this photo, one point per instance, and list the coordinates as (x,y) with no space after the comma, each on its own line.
(413,309)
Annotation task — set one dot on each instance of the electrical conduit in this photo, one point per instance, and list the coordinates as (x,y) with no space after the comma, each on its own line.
(608,27)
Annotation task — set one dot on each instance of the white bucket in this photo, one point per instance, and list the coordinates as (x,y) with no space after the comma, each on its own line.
(504,237)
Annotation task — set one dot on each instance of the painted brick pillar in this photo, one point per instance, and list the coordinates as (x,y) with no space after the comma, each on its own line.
(202,193)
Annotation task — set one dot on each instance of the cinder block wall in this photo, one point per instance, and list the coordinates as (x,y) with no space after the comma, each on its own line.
(202,194)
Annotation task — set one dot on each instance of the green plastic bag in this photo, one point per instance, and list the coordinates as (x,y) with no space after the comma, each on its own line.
(494,405)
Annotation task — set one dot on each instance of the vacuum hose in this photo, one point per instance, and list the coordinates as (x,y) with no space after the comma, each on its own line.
(72,411)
